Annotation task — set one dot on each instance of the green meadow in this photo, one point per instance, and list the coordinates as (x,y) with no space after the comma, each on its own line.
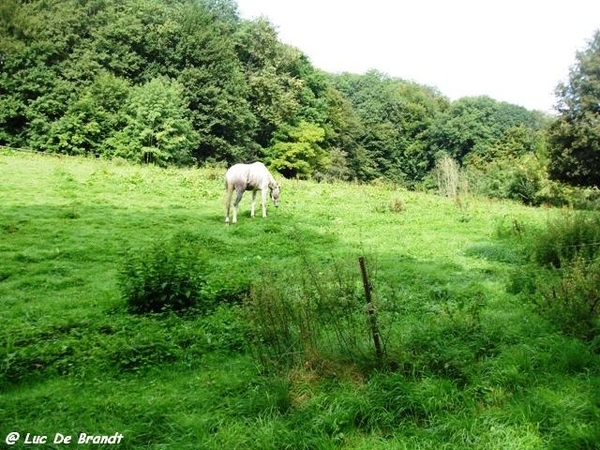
(277,353)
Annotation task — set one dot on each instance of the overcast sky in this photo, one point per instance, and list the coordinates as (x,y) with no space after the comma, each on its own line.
(511,50)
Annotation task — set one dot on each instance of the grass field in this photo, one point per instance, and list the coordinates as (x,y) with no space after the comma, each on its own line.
(469,365)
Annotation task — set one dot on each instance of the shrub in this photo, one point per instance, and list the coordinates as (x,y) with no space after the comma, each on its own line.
(523,179)
(166,276)
(567,238)
(447,174)
(524,183)
(566,293)
(571,299)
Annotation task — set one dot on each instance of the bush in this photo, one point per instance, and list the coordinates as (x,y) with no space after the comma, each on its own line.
(167,276)
(571,299)
(447,175)
(520,179)
(567,238)
(567,293)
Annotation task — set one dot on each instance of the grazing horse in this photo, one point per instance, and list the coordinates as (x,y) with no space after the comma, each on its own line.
(249,177)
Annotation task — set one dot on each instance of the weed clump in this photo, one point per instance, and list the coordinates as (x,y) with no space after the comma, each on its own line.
(395,205)
(167,276)
(570,299)
(570,237)
(567,291)
(315,320)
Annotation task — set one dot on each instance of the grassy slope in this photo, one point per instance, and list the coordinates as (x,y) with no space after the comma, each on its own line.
(72,360)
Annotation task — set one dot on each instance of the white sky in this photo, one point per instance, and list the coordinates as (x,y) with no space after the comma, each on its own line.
(511,50)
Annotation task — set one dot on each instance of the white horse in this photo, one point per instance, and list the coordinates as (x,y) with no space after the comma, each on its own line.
(249,177)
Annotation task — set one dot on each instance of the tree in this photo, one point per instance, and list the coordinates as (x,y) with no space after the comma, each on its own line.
(473,126)
(574,138)
(271,89)
(35,39)
(157,127)
(90,119)
(345,130)
(214,85)
(395,116)
(296,151)
(283,86)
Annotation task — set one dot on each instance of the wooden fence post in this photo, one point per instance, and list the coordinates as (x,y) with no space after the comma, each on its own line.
(371,310)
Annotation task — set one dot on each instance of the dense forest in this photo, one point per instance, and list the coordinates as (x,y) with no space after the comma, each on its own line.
(185,82)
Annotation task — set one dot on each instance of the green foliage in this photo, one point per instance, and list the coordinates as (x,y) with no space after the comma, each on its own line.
(501,147)
(272,90)
(565,290)
(201,85)
(349,160)
(167,276)
(474,126)
(575,135)
(205,63)
(182,82)
(567,238)
(90,119)
(514,167)
(156,126)
(523,179)
(395,115)
(296,151)
(570,299)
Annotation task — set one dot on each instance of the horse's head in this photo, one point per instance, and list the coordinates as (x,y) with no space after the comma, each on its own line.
(275,191)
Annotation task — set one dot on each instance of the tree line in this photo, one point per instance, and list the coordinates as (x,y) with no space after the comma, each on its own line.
(183,82)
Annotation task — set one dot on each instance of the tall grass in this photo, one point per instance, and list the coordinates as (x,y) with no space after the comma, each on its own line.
(447,175)
(309,318)
(566,238)
(566,289)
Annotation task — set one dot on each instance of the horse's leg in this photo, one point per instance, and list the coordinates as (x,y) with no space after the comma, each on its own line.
(238,199)
(253,203)
(264,201)
(228,203)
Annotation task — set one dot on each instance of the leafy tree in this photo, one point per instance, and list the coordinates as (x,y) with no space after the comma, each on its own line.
(90,119)
(271,90)
(31,89)
(516,142)
(157,127)
(472,126)
(395,116)
(224,11)
(52,51)
(575,135)
(349,158)
(296,151)
(283,87)
(214,86)
(184,81)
